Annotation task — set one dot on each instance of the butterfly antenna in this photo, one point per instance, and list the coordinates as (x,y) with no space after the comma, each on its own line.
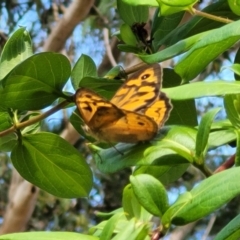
(116,149)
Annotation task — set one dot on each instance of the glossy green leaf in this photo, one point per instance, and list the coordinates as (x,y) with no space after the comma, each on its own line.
(132,14)
(131,206)
(54,165)
(172,51)
(36,82)
(84,67)
(5,120)
(162,26)
(128,230)
(103,86)
(150,193)
(178,3)
(47,236)
(129,48)
(116,72)
(205,198)
(202,89)
(166,174)
(8,142)
(203,134)
(232,106)
(235,6)
(172,146)
(127,35)
(17,48)
(221,137)
(110,226)
(183,112)
(206,49)
(141,2)
(231,231)
(133,231)
(237,157)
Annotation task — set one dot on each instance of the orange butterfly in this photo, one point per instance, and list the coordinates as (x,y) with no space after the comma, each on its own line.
(134,114)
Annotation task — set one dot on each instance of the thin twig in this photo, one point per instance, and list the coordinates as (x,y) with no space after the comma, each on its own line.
(108,47)
(209,227)
(34,119)
(213,17)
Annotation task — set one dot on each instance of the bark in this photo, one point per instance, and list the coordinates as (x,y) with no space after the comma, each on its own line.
(22,198)
(75,13)
(181,233)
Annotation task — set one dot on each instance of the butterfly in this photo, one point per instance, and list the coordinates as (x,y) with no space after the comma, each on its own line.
(134,114)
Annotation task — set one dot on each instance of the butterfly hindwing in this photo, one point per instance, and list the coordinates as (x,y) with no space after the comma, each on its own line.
(159,110)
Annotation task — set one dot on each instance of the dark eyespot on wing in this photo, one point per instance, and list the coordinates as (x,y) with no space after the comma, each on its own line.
(145,76)
(141,123)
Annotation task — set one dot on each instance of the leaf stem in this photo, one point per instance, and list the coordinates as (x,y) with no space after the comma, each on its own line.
(203,168)
(34,119)
(210,16)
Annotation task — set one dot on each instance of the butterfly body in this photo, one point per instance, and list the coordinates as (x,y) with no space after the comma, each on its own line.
(133,115)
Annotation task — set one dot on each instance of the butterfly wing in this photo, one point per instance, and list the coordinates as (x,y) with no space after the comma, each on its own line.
(159,110)
(95,110)
(130,128)
(108,123)
(140,90)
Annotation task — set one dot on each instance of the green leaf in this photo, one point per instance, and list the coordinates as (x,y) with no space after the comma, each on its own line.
(166,174)
(202,89)
(231,231)
(199,24)
(189,118)
(221,137)
(51,163)
(110,226)
(133,230)
(5,120)
(132,14)
(178,3)
(103,86)
(47,236)
(36,82)
(205,198)
(141,2)
(150,193)
(116,72)
(235,6)
(237,157)
(162,26)
(172,51)
(172,146)
(232,106)
(127,35)
(129,48)
(17,48)
(84,67)
(203,134)
(207,49)
(131,206)
(128,230)
(8,142)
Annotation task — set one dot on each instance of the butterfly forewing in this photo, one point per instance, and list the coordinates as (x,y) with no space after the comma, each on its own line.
(140,90)
(89,103)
